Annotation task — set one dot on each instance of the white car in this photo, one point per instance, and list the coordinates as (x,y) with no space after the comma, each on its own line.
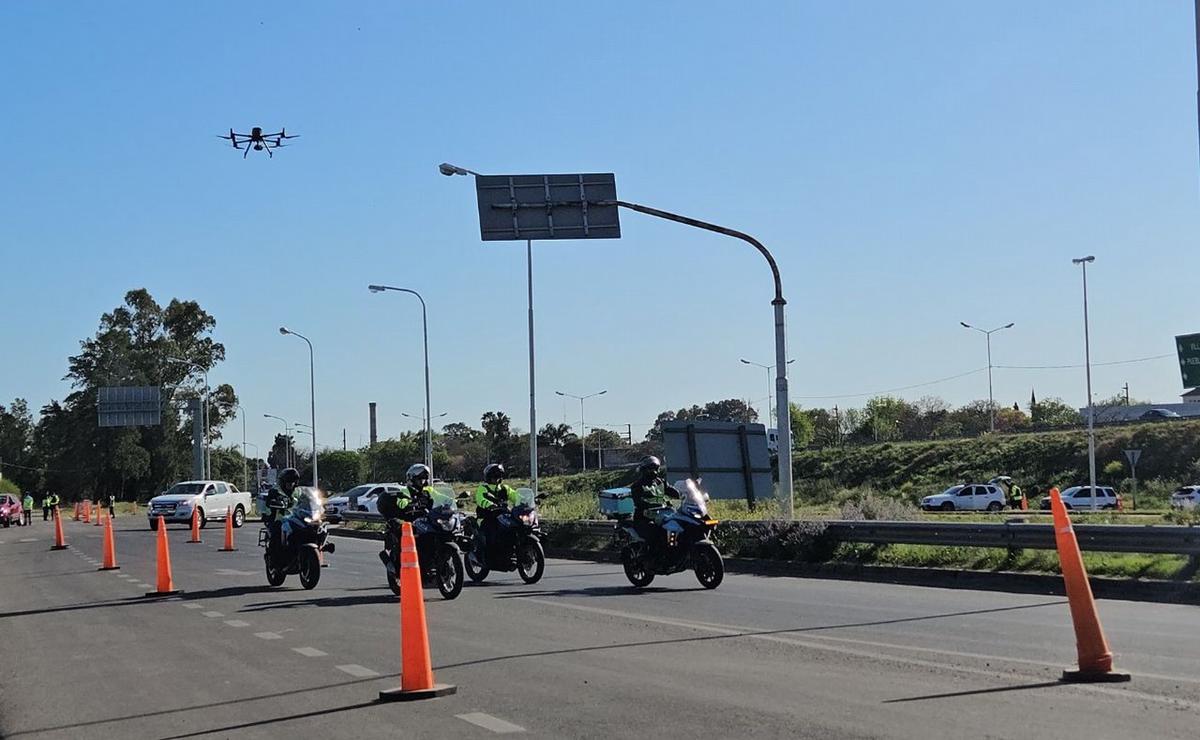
(967,497)
(211,499)
(1187,497)
(364,498)
(1080,497)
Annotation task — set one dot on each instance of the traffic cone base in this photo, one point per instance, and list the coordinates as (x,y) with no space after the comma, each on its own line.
(228,533)
(439,689)
(1095,677)
(416,675)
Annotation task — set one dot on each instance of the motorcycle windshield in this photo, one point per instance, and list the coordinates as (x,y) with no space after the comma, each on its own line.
(526,498)
(691,498)
(444,497)
(309,504)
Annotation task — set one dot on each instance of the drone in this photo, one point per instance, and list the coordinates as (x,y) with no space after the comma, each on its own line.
(258,140)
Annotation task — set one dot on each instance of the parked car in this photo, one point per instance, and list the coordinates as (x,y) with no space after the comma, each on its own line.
(209,498)
(966,497)
(1155,414)
(11,511)
(364,498)
(1187,497)
(1080,497)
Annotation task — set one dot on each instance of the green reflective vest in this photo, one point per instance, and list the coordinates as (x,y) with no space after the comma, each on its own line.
(487,496)
(27,502)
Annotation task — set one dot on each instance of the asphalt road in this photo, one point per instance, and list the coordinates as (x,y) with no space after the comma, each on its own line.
(580,654)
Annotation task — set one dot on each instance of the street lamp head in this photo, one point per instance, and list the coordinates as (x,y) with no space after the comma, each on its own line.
(449,170)
(284,330)
(1081,260)
(376,288)
(744,361)
(1009,325)
(559,393)
(601,393)
(965,325)
(789,362)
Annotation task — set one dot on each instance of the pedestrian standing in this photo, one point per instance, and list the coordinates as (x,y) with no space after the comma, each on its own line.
(27,508)
(112,506)
(46,506)
(53,503)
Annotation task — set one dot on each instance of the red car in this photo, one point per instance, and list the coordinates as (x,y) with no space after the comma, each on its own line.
(11,511)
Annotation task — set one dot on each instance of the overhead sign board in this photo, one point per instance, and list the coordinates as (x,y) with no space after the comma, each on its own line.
(129,406)
(1188,346)
(731,457)
(520,207)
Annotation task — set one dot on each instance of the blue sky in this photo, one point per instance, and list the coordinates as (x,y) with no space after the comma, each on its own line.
(911,165)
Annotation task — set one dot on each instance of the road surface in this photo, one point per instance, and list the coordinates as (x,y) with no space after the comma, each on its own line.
(580,654)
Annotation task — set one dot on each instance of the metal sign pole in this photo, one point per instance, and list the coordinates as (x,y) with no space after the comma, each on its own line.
(533,442)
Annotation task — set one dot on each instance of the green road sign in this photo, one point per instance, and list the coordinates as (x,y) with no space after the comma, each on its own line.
(1189,359)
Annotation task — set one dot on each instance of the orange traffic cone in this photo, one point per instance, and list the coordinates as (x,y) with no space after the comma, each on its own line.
(87,511)
(60,542)
(1095,658)
(98,516)
(195,540)
(228,532)
(416,678)
(110,548)
(76,518)
(165,586)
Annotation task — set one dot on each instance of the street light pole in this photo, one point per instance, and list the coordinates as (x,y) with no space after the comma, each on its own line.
(312,397)
(770,414)
(425,337)
(582,428)
(991,400)
(206,457)
(1087,362)
(287,438)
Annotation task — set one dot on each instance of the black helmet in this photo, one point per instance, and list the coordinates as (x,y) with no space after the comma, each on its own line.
(649,467)
(289,478)
(418,475)
(493,473)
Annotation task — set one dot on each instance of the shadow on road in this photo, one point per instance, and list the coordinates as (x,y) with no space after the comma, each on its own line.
(131,601)
(383,598)
(623,590)
(748,633)
(977,692)
(216,593)
(214,705)
(275,720)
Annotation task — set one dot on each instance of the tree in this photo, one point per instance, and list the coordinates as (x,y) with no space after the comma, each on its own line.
(16,444)
(555,435)
(342,469)
(390,459)
(459,433)
(824,428)
(731,409)
(1054,412)
(282,452)
(802,427)
(885,417)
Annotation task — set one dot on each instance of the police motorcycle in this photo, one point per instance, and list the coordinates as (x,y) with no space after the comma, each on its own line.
(516,543)
(303,536)
(678,540)
(438,532)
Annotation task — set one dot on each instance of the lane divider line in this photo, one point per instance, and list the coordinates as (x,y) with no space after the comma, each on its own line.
(310,652)
(211,615)
(268,635)
(488,722)
(357,670)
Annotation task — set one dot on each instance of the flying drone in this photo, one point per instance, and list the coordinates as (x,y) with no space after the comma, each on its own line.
(258,140)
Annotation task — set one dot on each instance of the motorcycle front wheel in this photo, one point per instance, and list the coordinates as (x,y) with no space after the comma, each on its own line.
(710,568)
(393,583)
(476,565)
(275,576)
(637,566)
(531,561)
(309,567)
(449,571)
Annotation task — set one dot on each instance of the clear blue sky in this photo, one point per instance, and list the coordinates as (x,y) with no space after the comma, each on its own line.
(911,165)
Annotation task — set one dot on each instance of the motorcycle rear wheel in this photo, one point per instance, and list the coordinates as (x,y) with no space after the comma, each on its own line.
(449,571)
(476,566)
(709,567)
(531,561)
(309,568)
(637,569)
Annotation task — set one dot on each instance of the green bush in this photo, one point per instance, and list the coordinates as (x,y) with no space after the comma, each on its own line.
(7,486)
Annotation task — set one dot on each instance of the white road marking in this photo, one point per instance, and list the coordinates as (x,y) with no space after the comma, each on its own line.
(268,635)
(139,584)
(357,671)
(488,722)
(231,572)
(212,615)
(236,623)
(192,605)
(28,539)
(311,652)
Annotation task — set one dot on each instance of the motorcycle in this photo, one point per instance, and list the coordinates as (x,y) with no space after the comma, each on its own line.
(679,540)
(437,532)
(516,542)
(303,536)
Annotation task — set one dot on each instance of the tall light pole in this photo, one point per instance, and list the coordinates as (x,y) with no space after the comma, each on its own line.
(770,371)
(1087,363)
(245,464)
(425,337)
(257,454)
(312,397)
(991,400)
(287,438)
(206,457)
(582,428)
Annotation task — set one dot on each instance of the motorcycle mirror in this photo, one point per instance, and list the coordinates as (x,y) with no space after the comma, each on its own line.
(539,498)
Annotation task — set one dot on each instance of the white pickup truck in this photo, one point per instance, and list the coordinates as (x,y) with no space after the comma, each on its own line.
(209,498)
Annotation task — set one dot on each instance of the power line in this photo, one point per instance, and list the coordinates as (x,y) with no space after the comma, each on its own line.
(1075,367)
(895,390)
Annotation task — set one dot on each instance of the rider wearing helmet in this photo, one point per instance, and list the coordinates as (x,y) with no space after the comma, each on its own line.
(492,498)
(279,499)
(650,492)
(407,505)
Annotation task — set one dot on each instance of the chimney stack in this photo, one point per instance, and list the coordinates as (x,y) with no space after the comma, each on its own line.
(374,429)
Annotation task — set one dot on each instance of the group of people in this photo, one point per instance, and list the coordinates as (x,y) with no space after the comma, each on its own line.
(50,502)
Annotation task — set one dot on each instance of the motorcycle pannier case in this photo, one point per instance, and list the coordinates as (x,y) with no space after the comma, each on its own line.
(616,503)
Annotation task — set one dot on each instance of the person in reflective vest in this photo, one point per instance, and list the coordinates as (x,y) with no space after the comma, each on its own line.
(492,498)
(27,508)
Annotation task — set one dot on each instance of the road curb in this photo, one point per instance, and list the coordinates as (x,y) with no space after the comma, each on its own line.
(1168,592)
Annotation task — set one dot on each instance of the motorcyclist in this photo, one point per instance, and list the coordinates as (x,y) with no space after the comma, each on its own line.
(492,498)
(650,493)
(280,498)
(405,505)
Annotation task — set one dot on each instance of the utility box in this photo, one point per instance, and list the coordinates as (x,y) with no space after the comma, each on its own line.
(730,457)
